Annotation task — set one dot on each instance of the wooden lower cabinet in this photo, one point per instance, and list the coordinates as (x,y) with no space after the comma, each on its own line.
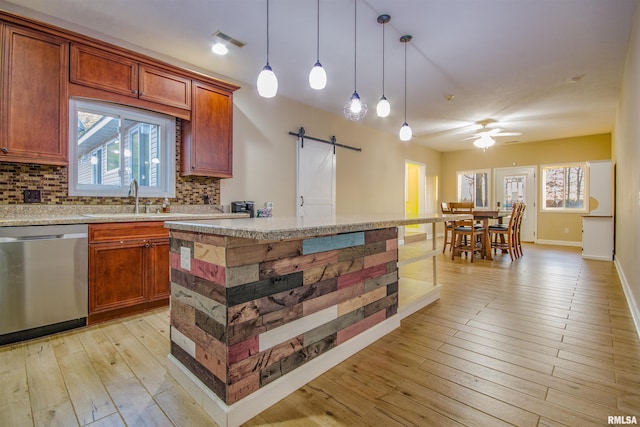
(128,268)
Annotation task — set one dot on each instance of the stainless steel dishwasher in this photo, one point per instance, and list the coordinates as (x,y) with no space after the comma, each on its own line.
(43,280)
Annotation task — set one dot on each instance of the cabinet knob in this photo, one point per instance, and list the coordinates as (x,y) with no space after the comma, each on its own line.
(134,91)
(5,150)
(146,245)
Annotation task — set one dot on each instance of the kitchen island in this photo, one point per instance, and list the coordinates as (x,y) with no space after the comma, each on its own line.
(260,307)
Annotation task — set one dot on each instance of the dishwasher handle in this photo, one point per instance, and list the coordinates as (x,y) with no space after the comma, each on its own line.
(44,237)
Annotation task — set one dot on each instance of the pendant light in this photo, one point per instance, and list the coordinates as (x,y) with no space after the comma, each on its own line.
(318,76)
(383,108)
(405,130)
(267,80)
(355,109)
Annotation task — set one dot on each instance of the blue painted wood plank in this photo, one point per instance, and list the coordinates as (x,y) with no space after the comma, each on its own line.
(330,243)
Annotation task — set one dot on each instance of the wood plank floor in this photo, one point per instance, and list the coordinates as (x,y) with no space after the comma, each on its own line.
(544,341)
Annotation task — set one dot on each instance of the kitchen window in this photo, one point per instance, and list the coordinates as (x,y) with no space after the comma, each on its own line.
(565,187)
(473,185)
(111,145)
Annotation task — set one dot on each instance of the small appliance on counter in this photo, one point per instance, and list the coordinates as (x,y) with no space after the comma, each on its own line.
(244,206)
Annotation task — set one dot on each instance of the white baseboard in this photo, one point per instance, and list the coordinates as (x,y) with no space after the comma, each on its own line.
(559,243)
(245,409)
(631,301)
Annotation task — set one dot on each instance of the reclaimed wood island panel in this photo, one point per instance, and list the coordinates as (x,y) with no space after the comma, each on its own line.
(261,306)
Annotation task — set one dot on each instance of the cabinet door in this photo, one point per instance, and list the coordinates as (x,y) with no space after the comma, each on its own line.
(103,70)
(160,86)
(34,122)
(159,286)
(116,277)
(207,144)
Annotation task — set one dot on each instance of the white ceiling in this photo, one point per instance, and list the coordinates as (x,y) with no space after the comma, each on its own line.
(511,61)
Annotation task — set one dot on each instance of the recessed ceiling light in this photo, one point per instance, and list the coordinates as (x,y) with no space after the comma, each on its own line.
(219,49)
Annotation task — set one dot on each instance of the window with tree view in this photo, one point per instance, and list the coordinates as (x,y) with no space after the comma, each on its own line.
(113,145)
(565,187)
(474,186)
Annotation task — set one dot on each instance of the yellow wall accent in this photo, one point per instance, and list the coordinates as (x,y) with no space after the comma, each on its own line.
(412,203)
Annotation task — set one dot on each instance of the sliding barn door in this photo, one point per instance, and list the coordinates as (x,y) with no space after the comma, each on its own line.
(316,186)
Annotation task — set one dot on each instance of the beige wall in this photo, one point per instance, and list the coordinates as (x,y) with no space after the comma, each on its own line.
(626,160)
(264,162)
(551,226)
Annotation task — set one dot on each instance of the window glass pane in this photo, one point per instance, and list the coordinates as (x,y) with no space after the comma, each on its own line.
(554,187)
(94,131)
(574,188)
(515,190)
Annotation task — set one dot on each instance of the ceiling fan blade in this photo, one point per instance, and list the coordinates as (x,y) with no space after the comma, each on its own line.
(507,134)
(470,137)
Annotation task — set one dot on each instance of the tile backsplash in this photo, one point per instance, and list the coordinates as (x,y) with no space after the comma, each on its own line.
(53,181)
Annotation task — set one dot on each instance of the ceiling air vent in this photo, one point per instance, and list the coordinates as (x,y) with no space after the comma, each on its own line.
(228,38)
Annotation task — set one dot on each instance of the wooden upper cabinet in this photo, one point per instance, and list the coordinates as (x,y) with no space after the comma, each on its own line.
(103,70)
(160,86)
(34,109)
(113,73)
(207,140)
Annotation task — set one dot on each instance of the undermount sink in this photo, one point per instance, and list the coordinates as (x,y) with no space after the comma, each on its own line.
(139,215)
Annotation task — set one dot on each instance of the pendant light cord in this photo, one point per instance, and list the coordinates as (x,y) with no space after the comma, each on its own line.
(355,45)
(405,82)
(383,59)
(318,38)
(267,32)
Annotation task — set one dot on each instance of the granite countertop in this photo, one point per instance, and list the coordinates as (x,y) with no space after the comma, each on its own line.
(275,228)
(13,216)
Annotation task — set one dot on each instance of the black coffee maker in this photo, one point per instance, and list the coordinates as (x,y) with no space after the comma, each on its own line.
(245,206)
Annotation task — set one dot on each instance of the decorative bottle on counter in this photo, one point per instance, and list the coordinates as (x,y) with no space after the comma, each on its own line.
(166,207)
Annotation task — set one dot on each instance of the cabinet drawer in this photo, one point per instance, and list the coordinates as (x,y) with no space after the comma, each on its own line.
(121,231)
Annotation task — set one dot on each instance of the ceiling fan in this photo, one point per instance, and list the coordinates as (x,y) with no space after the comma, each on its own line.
(484,133)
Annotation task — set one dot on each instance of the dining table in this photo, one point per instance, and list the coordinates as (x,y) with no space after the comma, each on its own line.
(484,215)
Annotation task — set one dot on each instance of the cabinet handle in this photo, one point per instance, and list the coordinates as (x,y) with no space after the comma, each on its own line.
(134,91)
(5,150)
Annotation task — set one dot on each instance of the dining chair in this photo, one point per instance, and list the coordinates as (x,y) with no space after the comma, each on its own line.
(466,236)
(448,227)
(503,236)
(523,206)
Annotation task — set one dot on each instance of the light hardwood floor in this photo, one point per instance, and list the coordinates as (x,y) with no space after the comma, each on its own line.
(546,340)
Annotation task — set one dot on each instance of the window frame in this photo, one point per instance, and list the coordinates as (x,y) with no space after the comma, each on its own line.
(543,186)
(488,187)
(166,147)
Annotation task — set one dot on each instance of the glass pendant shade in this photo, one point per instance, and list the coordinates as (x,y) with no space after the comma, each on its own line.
(356,103)
(383,109)
(267,82)
(318,77)
(354,109)
(405,132)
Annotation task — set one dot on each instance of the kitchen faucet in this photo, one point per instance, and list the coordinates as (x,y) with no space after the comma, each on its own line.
(133,188)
